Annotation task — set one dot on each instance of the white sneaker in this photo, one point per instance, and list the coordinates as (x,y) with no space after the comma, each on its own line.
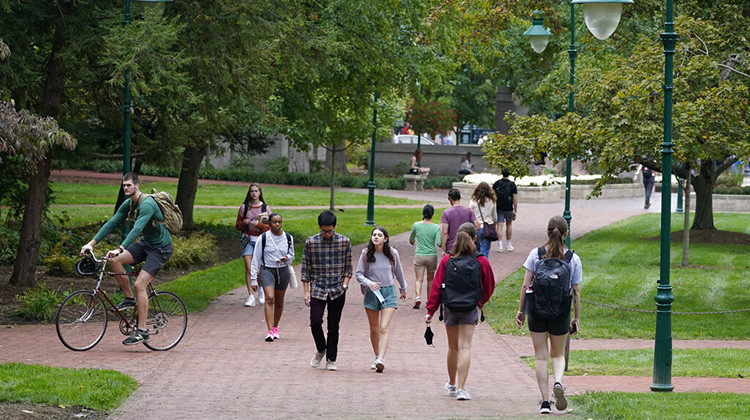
(379,365)
(261,296)
(452,389)
(462,395)
(317,357)
(331,365)
(500,248)
(509,247)
(250,301)
(374,363)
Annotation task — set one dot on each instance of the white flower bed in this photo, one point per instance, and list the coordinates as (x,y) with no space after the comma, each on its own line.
(526,181)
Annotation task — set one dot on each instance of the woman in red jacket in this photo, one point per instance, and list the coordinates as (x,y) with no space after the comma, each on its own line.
(459,326)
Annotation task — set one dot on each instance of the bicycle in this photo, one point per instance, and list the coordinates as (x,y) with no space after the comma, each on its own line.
(81,320)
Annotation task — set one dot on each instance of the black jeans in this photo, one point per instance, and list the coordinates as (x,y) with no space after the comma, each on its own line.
(317,308)
(648,184)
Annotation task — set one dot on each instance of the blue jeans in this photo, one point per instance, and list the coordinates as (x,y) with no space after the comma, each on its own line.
(484,244)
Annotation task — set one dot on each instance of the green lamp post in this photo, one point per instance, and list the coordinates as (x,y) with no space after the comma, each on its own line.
(371,183)
(664,296)
(602,18)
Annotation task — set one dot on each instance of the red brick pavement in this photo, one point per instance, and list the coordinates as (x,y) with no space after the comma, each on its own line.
(224,369)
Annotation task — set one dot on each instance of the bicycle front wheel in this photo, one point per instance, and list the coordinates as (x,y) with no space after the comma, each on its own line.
(81,320)
(167,320)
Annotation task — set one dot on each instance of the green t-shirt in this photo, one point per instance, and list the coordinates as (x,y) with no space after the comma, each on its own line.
(428,235)
(154,233)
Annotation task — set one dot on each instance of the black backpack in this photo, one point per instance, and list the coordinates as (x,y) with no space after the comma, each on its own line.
(462,285)
(504,194)
(551,287)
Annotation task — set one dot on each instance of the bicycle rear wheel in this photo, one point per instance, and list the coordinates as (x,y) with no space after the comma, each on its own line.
(81,320)
(167,320)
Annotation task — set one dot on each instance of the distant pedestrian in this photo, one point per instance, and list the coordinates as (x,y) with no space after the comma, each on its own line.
(427,236)
(378,267)
(483,205)
(549,318)
(414,164)
(326,272)
(464,282)
(467,166)
(274,254)
(453,218)
(506,193)
(647,176)
(252,221)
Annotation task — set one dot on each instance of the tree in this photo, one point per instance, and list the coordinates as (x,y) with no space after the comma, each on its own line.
(431,117)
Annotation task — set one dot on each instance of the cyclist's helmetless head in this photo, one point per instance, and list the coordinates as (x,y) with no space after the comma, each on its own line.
(130,183)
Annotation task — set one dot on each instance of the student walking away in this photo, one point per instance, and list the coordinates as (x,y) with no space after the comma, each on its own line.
(270,268)
(647,175)
(378,266)
(553,276)
(154,247)
(464,282)
(506,193)
(414,164)
(467,166)
(252,221)
(427,236)
(483,205)
(453,218)
(326,272)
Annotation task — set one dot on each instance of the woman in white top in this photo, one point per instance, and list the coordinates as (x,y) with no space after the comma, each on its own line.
(483,205)
(274,253)
(378,266)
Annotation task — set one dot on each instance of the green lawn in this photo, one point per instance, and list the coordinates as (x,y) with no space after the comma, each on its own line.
(715,363)
(621,268)
(658,406)
(91,388)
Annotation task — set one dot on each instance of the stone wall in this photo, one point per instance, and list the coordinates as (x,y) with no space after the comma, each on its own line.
(442,160)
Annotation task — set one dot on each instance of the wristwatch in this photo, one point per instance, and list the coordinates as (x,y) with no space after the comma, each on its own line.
(345,287)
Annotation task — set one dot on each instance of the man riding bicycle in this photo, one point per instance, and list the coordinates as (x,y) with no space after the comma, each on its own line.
(154,247)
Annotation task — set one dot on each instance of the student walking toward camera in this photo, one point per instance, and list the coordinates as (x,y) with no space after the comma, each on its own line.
(270,268)
(463,283)
(378,266)
(326,272)
(427,236)
(252,221)
(553,275)
(483,205)
(154,247)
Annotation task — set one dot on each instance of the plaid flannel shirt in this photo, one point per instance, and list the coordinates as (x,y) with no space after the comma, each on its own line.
(325,264)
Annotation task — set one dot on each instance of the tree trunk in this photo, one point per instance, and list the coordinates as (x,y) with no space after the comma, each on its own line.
(337,160)
(686,223)
(704,212)
(298,161)
(24,270)
(187,185)
(332,205)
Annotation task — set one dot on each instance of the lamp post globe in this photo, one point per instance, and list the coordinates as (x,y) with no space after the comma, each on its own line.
(537,33)
(602,16)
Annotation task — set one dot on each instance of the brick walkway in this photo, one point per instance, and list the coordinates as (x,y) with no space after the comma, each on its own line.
(224,369)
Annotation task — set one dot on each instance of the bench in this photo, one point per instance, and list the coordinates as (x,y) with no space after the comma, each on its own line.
(414,182)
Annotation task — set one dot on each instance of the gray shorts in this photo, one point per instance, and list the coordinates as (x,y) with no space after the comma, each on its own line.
(425,262)
(155,257)
(505,216)
(451,318)
(276,277)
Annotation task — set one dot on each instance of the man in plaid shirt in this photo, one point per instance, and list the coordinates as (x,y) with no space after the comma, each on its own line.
(326,271)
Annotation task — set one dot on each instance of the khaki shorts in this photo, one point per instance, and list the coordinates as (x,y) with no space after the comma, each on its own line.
(425,262)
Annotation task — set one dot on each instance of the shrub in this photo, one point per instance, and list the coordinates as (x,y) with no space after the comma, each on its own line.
(59,265)
(198,249)
(280,164)
(38,303)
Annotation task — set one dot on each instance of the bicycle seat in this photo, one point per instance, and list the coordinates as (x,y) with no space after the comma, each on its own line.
(87,267)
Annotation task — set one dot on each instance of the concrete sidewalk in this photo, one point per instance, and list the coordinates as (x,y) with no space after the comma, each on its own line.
(224,369)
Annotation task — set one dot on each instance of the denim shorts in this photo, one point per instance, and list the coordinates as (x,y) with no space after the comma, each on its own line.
(504,216)
(248,249)
(371,301)
(155,257)
(451,318)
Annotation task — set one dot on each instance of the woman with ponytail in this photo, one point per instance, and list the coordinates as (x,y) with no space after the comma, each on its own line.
(549,336)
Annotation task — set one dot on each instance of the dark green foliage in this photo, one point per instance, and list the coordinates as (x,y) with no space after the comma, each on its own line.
(280,164)
(59,265)
(198,249)
(38,303)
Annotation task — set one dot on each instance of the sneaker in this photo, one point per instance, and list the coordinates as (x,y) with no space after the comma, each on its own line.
(250,301)
(269,337)
(417,302)
(261,296)
(500,248)
(462,395)
(509,247)
(127,303)
(275,332)
(331,365)
(451,389)
(561,403)
(379,365)
(545,408)
(137,337)
(317,357)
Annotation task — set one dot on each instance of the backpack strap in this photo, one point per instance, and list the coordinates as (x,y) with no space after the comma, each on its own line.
(569,255)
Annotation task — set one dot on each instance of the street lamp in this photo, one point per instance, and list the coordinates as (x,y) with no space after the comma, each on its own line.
(664,296)
(371,184)
(602,17)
